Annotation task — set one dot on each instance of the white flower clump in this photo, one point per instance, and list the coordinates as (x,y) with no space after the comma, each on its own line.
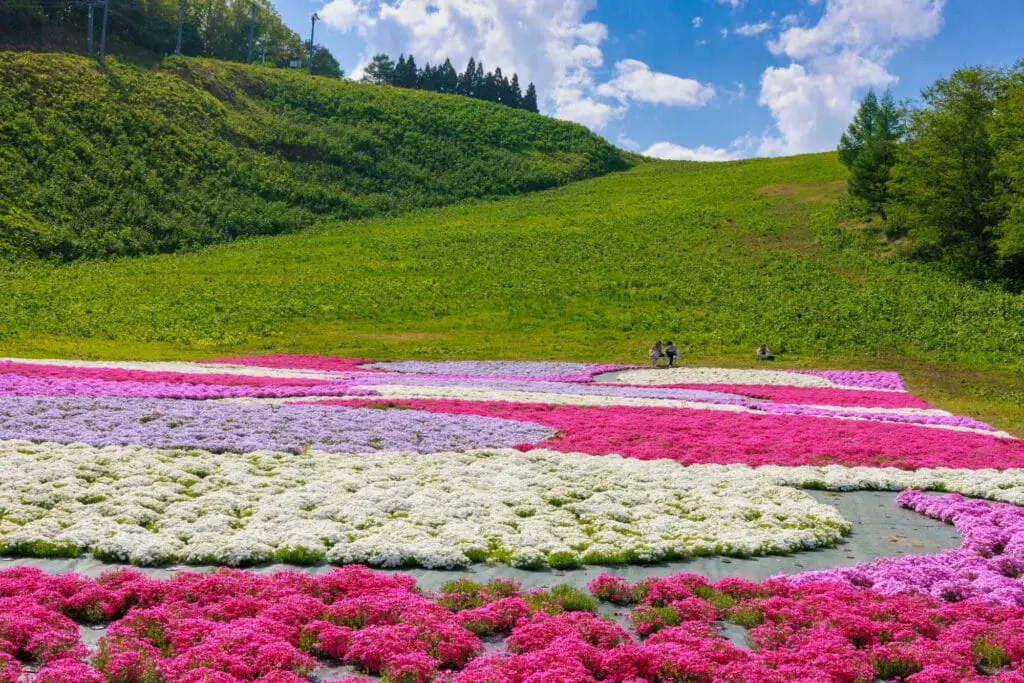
(399,391)
(718,376)
(179,366)
(1001,485)
(392,509)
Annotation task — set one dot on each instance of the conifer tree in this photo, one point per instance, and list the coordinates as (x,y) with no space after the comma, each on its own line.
(448,78)
(515,93)
(466,79)
(530,99)
(868,148)
(381,70)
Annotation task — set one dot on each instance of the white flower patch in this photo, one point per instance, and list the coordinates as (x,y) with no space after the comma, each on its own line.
(392,509)
(180,366)
(718,376)
(1001,485)
(474,394)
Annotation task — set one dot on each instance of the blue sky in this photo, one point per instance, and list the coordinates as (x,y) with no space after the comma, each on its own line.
(693,79)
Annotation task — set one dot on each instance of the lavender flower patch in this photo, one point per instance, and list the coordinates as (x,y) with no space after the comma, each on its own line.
(555,372)
(890,381)
(989,565)
(19,385)
(248,427)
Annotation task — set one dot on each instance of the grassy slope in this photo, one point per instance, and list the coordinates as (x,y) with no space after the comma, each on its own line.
(716,257)
(128,160)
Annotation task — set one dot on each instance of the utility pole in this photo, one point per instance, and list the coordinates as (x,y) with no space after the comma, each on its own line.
(312,29)
(89,29)
(252,32)
(103,31)
(181,25)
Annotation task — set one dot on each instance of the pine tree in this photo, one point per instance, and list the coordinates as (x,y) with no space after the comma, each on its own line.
(449,78)
(411,75)
(398,76)
(479,82)
(428,79)
(466,79)
(381,70)
(530,99)
(515,93)
(868,148)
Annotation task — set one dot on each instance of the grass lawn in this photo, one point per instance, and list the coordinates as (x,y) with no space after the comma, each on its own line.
(719,258)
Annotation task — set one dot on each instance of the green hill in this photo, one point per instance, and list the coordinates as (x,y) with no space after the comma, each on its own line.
(129,160)
(718,258)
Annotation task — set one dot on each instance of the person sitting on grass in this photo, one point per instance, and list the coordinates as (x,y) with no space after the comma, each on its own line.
(764,353)
(672,353)
(655,354)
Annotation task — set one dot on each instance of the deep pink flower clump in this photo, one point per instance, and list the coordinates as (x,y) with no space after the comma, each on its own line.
(701,436)
(231,626)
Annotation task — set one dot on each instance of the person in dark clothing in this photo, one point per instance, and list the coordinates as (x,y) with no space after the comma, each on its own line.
(764,353)
(672,353)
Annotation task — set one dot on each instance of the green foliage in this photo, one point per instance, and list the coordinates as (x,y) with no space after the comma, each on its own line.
(943,181)
(217,29)
(560,598)
(324,63)
(124,161)
(868,149)
(895,667)
(989,657)
(1007,129)
(746,616)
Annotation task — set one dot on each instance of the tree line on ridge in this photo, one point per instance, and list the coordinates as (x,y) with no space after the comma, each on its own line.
(492,86)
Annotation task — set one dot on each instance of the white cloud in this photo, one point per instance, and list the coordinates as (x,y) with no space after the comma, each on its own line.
(548,42)
(738,149)
(735,4)
(635,81)
(697,22)
(753,29)
(725,33)
(814,98)
(790,20)
(341,14)
(627,142)
(873,27)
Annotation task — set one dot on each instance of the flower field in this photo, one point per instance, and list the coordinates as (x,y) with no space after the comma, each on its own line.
(307,460)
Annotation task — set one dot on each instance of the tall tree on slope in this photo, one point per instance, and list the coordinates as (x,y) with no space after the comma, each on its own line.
(868,149)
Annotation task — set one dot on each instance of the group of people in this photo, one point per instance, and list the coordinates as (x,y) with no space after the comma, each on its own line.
(659,351)
(671,351)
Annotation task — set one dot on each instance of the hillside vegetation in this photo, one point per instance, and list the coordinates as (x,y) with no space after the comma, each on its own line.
(126,160)
(718,258)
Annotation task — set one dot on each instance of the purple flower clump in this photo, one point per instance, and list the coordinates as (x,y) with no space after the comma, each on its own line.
(864,379)
(20,385)
(988,565)
(248,427)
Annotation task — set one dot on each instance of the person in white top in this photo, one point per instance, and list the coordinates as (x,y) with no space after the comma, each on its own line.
(655,354)
(764,353)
